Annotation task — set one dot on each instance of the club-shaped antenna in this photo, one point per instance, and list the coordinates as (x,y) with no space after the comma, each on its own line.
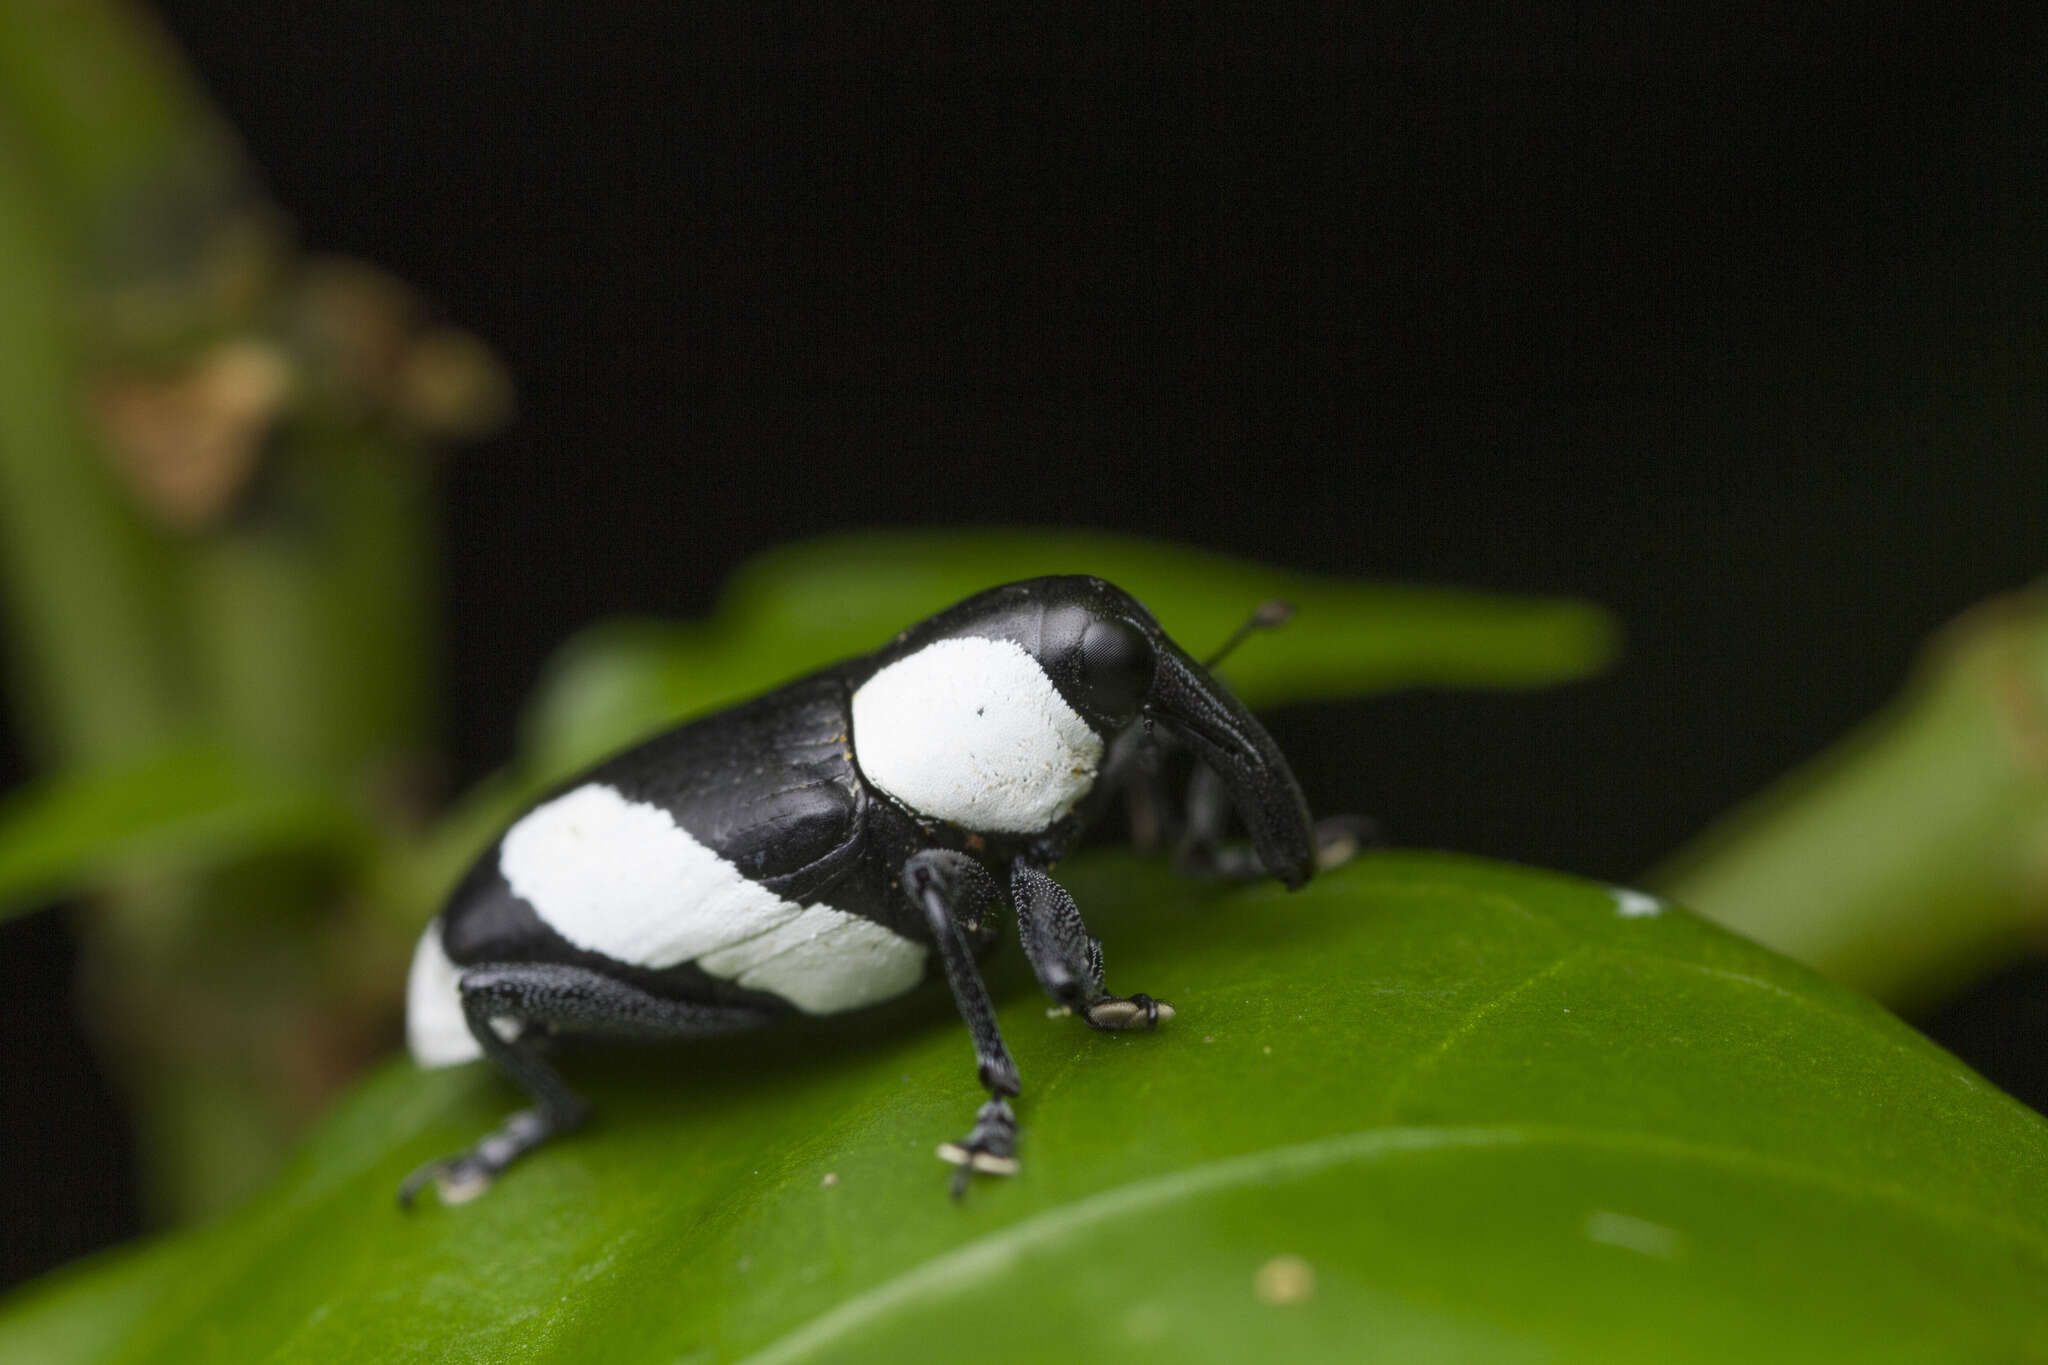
(1274,611)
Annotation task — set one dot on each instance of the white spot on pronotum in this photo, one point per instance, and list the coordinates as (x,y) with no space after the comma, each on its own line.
(1633,1234)
(622,878)
(1635,904)
(972,731)
(1283,1281)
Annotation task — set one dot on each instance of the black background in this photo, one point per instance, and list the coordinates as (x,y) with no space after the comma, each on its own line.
(1729,322)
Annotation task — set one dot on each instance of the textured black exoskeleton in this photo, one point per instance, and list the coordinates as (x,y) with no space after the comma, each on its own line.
(815,849)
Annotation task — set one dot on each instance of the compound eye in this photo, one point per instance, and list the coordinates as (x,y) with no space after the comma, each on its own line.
(1116,668)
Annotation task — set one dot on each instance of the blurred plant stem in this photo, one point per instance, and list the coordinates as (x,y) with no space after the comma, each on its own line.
(213,524)
(1914,854)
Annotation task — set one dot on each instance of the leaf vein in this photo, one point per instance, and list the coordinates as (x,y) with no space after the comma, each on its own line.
(999,1250)
(1465,1027)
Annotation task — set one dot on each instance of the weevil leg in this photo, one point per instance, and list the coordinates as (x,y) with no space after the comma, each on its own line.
(1203,853)
(1067,960)
(531,1000)
(954,892)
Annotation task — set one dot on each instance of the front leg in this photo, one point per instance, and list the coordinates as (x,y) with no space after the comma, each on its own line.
(1067,961)
(1203,853)
(950,888)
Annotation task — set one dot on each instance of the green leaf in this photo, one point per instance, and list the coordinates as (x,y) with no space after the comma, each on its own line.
(802,606)
(1906,860)
(181,808)
(1494,1115)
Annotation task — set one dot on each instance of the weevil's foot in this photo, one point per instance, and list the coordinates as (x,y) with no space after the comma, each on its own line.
(466,1175)
(457,1179)
(1340,838)
(1118,1014)
(991,1148)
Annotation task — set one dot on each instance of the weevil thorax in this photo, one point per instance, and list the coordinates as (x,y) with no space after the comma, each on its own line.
(996,715)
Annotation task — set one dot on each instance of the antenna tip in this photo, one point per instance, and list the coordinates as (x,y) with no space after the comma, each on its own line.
(1274,611)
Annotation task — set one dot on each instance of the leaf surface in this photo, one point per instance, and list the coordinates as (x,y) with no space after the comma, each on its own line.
(1427,1109)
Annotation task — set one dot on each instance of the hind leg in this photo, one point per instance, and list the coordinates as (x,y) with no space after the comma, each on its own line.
(539,998)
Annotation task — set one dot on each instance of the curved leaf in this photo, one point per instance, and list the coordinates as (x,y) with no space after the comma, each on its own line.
(1429,1108)
(801,606)
(796,608)
(185,807)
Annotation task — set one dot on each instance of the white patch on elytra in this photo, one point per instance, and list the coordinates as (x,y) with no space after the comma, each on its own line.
(822,961)
(971,731)
(435,1030)
(1635,904)
(622,878)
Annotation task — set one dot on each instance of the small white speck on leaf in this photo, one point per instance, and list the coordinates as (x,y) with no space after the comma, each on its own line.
(828,1180)
(1208,1037)
(1635,904)
(1284,1281)
(1267,1049)
(1058,1011)
(1148,1322)
(1633,1234)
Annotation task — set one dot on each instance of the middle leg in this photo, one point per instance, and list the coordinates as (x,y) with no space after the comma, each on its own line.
(1067,961)
(954,891)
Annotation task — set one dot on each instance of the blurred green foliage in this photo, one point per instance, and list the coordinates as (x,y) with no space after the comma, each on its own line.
(796,608)
(1911,857)
(179,810)
(1495,1112)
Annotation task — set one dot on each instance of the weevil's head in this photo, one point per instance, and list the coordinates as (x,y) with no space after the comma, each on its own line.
(998,714)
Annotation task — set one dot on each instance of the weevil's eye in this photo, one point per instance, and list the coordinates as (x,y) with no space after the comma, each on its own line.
(1115,668)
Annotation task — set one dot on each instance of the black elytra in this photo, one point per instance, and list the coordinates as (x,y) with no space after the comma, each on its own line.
(775,788)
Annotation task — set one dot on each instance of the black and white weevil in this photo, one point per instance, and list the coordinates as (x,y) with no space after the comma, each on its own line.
(812,849)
